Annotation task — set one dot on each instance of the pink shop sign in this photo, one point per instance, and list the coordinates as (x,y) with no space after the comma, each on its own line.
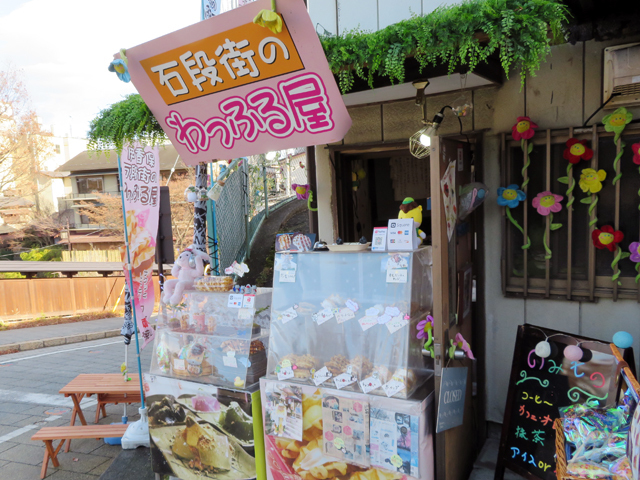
(227,88)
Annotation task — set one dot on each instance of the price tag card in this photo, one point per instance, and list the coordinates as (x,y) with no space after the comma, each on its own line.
(288,276)
(369,384)
(367,322)
(397,275)
(344,380)
(248,301)
(178,365)
(288,315)
(235,300)
(229,360)
(397,323)
(344,314)
(321,376)
(322,316)
(285,373)
(352,305)
(392,387)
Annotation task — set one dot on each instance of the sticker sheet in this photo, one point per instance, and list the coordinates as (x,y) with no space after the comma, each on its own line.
(283,411)
(345,428)
(394,441)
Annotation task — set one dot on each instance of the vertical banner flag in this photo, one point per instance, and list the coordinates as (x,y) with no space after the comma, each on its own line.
(210,8)
(141,177)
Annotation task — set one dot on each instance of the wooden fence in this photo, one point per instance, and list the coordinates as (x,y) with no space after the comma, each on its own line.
(38,297)
(91,256)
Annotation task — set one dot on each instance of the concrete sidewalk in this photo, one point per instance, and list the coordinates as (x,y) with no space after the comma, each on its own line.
(52,335)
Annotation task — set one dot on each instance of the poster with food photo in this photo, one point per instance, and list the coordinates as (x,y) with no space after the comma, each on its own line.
(200,431)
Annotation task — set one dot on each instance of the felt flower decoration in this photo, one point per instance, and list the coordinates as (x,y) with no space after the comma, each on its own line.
(302,191)
(462,343)
(547,202)
(577,150)
(121,70)
(607,237)
(424,326)
(269,19)
(510,196)
(636,153)
(617,121)
(591,180)
(523,129)
(634,248)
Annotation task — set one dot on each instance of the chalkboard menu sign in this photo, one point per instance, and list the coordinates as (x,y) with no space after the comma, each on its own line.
(539,386)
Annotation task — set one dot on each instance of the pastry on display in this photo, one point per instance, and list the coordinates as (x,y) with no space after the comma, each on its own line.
(192,361)
(303,364)
(201,449)
(166,412)
(214,284)
(361,366)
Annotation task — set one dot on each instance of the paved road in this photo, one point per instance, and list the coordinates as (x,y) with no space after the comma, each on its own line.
(63,330)
(29,399)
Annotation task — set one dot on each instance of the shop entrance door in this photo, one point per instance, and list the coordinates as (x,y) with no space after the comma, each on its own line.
(456,448)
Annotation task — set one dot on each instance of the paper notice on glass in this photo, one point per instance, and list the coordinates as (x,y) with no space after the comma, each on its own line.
(345,428)
(449,199)
(283,410)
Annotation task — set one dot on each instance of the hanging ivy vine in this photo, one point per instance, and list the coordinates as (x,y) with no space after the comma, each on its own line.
(521,31)
(124,122)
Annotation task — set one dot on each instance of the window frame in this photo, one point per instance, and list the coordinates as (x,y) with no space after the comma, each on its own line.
(596,286)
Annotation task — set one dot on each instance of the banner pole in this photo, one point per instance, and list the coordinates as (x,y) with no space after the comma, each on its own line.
(128,269)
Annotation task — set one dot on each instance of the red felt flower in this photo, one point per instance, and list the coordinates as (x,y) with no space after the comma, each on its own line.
(607,237)
(636,153)
(577,150)
(524,129)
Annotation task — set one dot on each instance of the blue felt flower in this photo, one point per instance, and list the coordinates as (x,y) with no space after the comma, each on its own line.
(510,196)
(120,68)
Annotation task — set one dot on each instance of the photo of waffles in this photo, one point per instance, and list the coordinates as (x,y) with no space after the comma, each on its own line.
(302,242)
(283,242)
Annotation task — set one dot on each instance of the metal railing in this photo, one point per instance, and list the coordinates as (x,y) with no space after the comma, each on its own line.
(86,196)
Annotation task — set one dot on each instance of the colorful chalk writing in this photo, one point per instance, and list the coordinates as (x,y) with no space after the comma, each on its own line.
(544,420)
(535,359)
(594,374)
(523,374)
(574,367)
(555,368)
(574,396)
(535,398)
(541,465)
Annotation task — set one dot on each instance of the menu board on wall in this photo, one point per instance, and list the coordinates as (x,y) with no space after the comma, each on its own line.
(539,386)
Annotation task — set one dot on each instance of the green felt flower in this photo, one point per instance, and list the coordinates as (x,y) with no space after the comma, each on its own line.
(616,122)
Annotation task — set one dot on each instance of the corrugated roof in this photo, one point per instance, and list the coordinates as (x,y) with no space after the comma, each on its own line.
(12,202)
(91,161)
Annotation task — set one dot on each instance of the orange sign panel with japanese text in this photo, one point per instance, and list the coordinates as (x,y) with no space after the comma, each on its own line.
(240,56)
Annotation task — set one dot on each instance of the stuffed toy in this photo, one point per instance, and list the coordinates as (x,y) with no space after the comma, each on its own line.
(188,266)
(410,209)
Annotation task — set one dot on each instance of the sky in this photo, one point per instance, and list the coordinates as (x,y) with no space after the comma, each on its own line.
(63,48)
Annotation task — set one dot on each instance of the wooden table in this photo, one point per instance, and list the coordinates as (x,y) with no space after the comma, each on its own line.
(104,386)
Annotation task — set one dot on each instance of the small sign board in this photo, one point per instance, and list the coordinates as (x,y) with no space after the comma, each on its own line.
(453,386)
(228,88)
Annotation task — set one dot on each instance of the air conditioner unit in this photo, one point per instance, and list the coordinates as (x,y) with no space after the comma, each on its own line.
(622,75)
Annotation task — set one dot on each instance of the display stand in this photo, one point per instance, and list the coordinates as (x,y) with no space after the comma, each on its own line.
(348,390)
(202,389)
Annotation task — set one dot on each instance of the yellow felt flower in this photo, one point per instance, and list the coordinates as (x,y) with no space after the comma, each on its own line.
(270,20)
(591,181)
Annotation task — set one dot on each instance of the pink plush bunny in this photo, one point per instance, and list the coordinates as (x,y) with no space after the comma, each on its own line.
(188,266)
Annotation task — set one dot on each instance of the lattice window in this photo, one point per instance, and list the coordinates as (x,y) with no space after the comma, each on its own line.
(576,269)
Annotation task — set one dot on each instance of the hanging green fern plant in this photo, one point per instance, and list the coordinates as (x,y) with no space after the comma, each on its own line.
(519,30)
(124,122)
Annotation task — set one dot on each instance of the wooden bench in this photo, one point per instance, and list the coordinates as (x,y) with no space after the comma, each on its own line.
(49,434)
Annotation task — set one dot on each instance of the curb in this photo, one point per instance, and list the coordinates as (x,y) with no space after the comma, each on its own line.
(56,341)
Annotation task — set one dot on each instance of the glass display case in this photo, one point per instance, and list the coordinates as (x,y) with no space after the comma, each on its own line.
(348,320)
(213,337)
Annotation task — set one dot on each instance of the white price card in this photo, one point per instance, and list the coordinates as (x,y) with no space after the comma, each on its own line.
(235,300)
(230,360)
(369,384)
(288,315)
(178,365)
(397,275)
(288,276)
(367,322)
(397,323)
(344,314)
(322,316)
(321,376)
(285,373)
(344,380)
(392,387)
